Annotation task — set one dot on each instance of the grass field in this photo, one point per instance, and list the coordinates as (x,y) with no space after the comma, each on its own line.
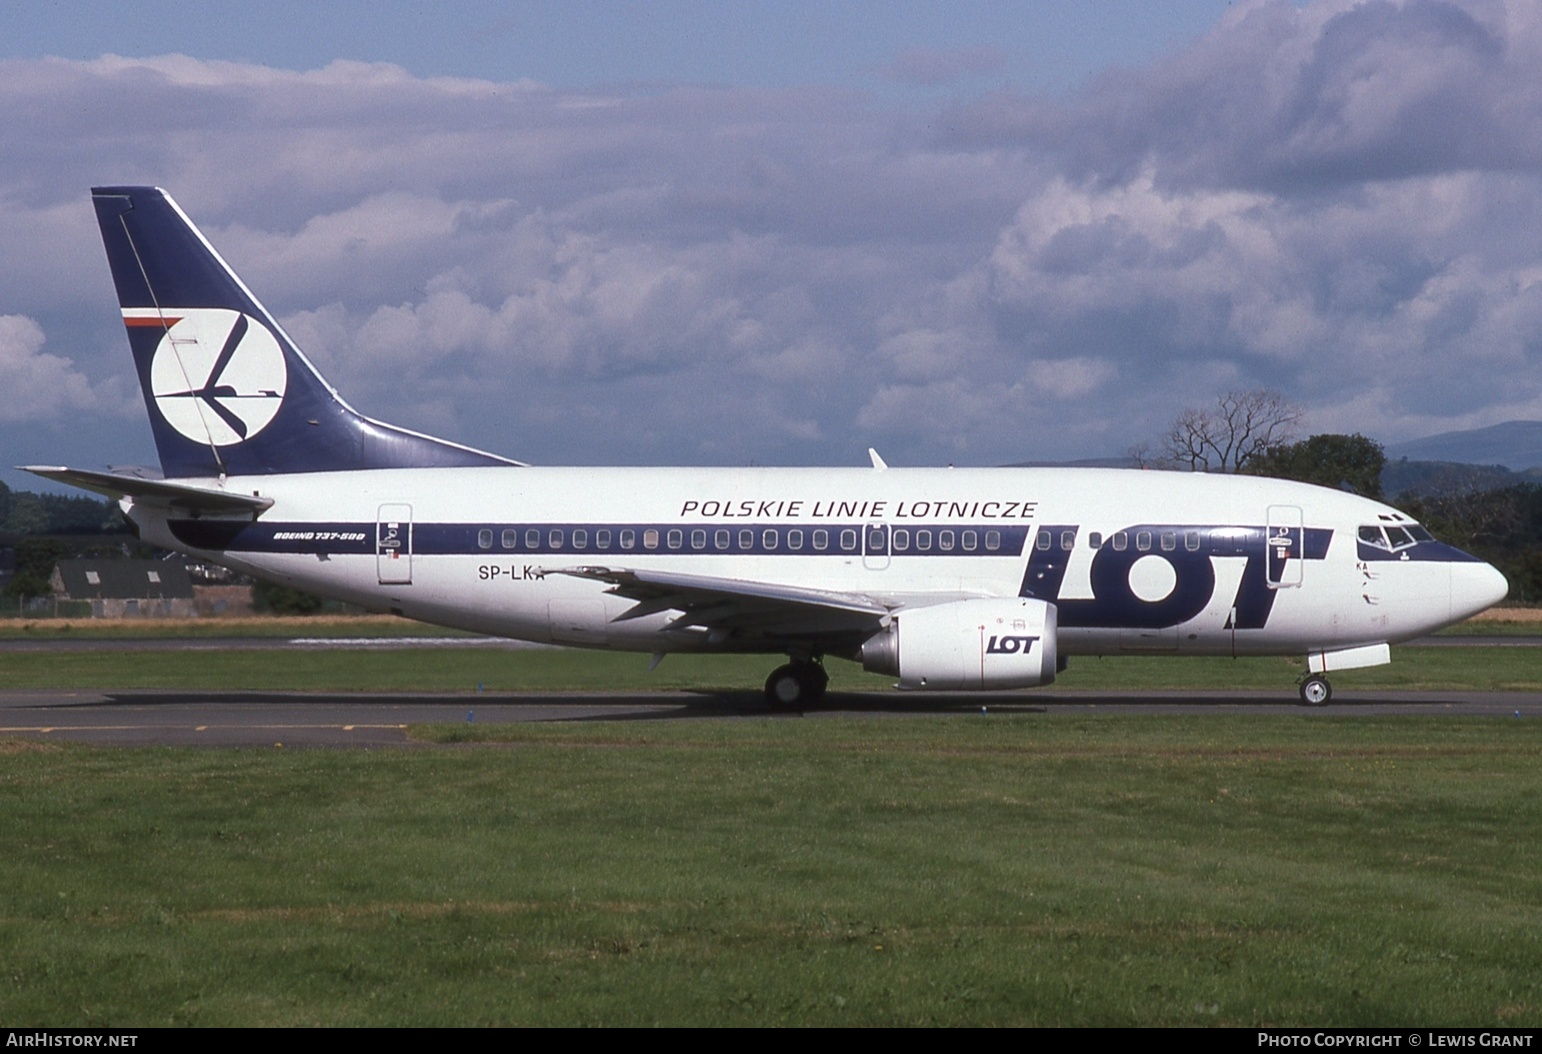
(468,670)
(1495,621)
(1010,869)
(464,669)
(340,626)
(1004,870)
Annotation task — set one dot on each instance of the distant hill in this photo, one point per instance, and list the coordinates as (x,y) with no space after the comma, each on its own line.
(1406,478)
(1086,462)
(1451,464)
(1402,478)
(1515,445)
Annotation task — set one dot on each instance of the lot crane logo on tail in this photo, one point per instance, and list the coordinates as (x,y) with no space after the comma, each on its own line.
(218,375)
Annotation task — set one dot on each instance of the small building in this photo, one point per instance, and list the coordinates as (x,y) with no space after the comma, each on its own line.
(126,588)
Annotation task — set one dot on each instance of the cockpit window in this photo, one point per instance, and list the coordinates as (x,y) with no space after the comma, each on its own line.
(1372,535)
(1393,538)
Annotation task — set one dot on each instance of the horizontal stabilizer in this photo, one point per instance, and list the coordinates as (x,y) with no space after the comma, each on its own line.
(180,496)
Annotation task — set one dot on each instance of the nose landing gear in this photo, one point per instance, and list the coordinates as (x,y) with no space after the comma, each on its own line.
(1315,690)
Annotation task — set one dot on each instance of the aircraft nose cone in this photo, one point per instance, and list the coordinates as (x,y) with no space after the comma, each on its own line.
(1475,587)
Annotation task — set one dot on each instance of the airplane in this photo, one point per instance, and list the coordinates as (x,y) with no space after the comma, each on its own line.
(946,579)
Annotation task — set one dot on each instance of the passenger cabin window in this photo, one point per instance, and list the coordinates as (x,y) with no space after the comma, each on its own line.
(651,538)
(628,538)
(485,538)
(1191,541)
(510,538)
(821,539)
(580,538)
(993,540)
(901,539)
(795,539)
(532,539)
(769,539)
(924,540)
(720,539)
(674,538)
(1094,540)
(698,539)
(848,539)
(945,541)
(1121,541)
(1143,541)
(746,539)
(602,539)
(971,541)
(1068,540)
(1169,541)
(1043,542)
(554,538)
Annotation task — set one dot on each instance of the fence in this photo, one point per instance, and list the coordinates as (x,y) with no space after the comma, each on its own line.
(43,607)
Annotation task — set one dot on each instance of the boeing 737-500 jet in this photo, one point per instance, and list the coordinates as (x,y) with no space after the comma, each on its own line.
(946,579)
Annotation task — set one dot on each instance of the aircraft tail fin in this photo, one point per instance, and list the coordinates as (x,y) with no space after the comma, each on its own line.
(228,392)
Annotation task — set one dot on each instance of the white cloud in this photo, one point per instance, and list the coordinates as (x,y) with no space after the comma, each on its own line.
(1338,200)
(38,386)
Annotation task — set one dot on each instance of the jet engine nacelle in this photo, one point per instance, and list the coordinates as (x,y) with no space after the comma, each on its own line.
(1006,642)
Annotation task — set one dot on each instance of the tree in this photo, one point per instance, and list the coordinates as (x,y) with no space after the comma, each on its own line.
(1328,460)
(23,512)
(1239,428)
(26,514)
(35,560)
(274,599)
(77,514)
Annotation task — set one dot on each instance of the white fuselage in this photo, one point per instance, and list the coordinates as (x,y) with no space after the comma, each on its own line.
(1133,561)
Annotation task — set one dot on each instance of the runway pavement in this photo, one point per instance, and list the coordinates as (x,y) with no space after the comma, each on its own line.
(321,719)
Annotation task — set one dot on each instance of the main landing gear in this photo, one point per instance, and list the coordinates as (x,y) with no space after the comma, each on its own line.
(796,684)
(1315,690)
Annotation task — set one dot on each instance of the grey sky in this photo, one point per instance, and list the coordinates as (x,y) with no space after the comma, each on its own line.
(1045,45)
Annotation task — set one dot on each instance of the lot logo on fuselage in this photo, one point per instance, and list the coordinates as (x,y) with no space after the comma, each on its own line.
(218,376)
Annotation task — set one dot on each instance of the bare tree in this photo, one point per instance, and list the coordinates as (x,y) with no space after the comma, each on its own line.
(1240,427)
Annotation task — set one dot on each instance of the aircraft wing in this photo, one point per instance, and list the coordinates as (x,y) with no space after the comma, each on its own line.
(732,605)
(180,496)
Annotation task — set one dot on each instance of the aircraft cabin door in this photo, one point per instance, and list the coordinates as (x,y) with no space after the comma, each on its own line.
(393,545)
(1284,541)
